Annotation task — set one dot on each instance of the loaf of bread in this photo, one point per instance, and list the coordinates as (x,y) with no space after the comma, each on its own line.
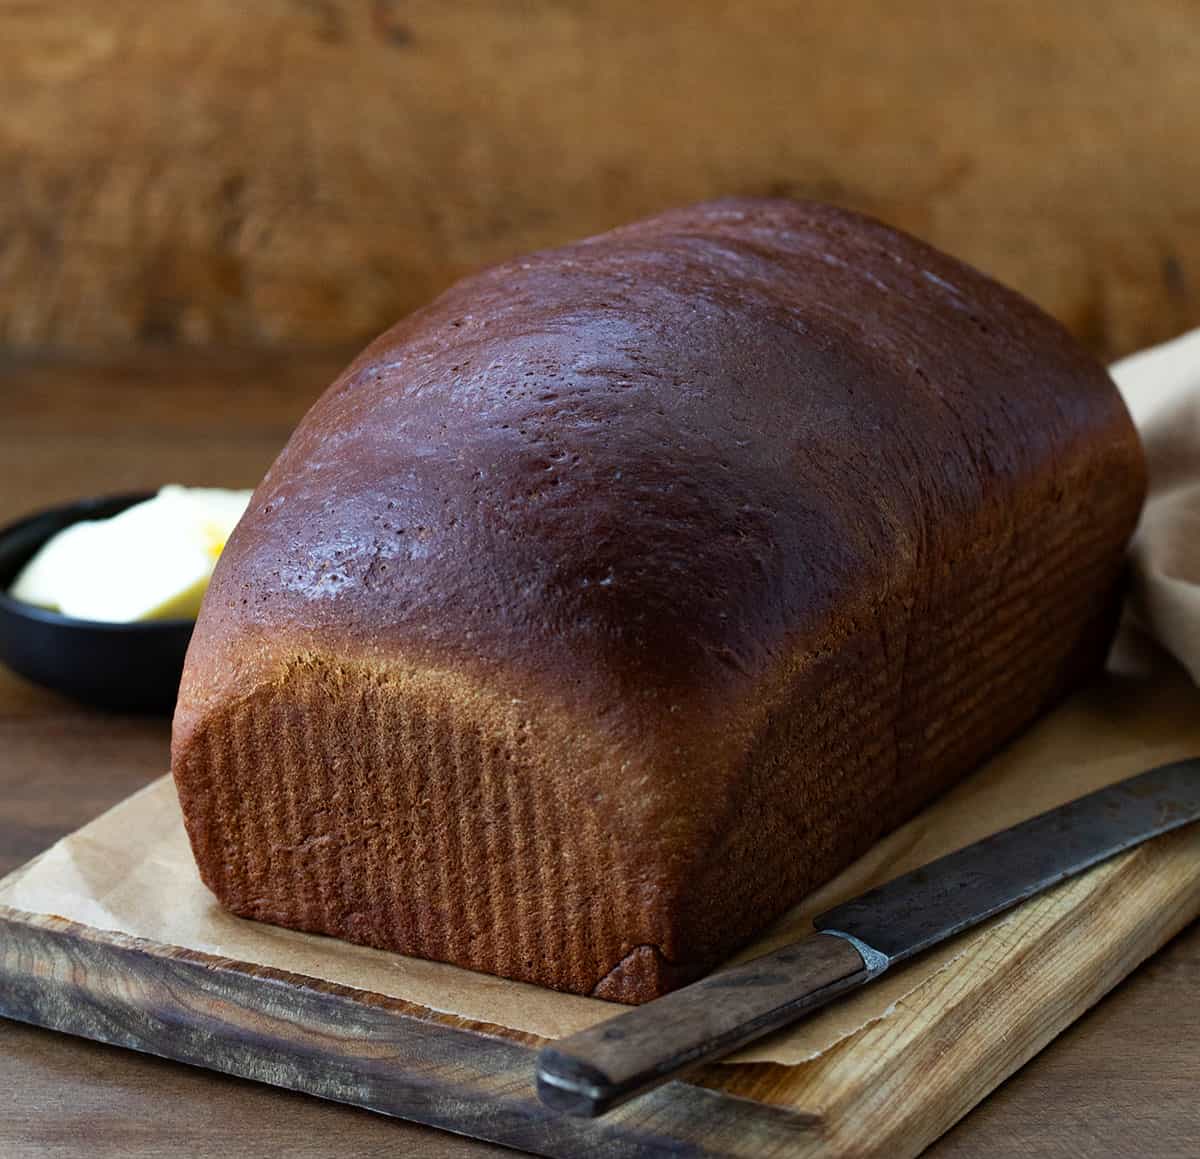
(628,591)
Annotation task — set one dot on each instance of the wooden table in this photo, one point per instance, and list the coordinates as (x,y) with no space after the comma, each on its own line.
(1122,1081)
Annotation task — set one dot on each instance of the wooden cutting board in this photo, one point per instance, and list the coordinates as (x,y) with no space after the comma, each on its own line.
(888,1088)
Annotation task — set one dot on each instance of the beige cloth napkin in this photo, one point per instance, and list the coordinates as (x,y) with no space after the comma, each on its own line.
(1162,389)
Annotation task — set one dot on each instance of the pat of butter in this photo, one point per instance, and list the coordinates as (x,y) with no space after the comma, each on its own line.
(152,561)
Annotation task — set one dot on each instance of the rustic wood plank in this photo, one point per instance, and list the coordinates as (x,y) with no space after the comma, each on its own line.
(347,1046)
(46,743)
(76,1098)
(330,164)
(1117,1083)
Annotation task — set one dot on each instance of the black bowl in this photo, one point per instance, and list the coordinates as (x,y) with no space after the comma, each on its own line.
(124,667)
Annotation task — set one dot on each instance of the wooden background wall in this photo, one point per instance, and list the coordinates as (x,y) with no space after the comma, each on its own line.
(292,172)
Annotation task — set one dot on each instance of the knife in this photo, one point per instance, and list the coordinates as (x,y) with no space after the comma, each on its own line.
(590,1072)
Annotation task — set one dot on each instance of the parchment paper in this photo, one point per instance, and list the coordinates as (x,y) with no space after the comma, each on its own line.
(131,870)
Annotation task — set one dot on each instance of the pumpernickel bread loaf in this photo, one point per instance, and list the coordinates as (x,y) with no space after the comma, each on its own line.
(628,591)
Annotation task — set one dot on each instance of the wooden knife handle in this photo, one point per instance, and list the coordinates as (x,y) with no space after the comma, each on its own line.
(594,1070)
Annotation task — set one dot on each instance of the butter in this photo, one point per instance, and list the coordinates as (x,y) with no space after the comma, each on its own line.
(152,561)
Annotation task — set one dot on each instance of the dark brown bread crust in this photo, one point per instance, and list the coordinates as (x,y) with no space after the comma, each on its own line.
(629,590)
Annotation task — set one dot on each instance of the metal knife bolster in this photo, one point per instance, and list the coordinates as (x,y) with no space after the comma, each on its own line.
(606,1064)
(874,961)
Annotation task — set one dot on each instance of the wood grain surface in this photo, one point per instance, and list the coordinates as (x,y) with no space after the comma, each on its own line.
(1121,1080)
(305,171)
(349,1046)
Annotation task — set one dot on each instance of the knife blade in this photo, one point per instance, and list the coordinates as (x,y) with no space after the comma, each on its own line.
(598,1068)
